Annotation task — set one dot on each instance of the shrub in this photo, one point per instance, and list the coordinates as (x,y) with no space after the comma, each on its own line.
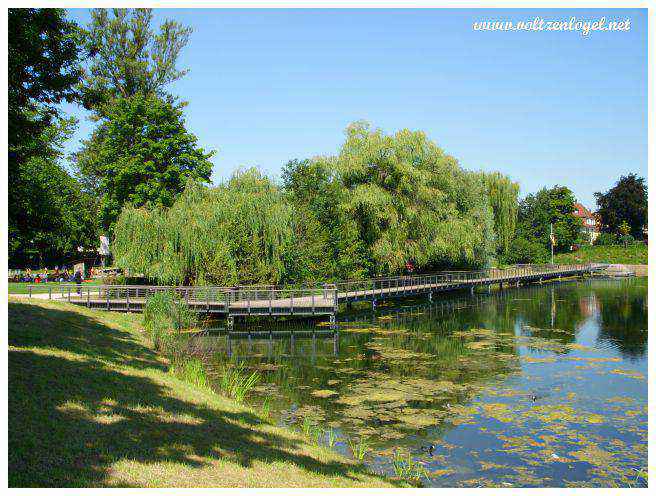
(626,239)
(606,239)
(523,250)
(164,317)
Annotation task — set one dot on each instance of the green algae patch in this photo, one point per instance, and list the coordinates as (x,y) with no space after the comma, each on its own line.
(628,373)
(324,393)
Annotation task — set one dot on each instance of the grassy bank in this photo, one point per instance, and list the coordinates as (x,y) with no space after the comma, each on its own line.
(91,404)
(633,255)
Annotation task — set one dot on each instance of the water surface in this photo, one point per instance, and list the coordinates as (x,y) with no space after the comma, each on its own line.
(533,386)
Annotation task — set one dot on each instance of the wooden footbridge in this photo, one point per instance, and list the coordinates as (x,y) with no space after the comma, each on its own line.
(311,300)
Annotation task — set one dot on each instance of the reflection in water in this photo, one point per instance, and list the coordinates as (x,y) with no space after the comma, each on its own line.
(541,385)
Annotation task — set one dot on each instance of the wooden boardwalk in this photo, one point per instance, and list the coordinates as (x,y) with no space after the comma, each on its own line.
(320,299)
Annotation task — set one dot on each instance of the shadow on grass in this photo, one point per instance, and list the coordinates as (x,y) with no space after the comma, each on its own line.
(74,414)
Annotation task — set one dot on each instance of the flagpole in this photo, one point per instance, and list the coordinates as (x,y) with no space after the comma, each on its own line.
(551,238)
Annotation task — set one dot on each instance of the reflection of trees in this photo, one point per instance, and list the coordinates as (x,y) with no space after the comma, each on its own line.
(623,317)
(419,359)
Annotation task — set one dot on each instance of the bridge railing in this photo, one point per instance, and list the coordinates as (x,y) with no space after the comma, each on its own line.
(112,296)
(289,301)
(406,284)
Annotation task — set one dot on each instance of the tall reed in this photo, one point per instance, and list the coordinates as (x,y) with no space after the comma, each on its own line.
(236,382)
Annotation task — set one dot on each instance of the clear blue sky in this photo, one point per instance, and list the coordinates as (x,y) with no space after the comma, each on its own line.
(266,86)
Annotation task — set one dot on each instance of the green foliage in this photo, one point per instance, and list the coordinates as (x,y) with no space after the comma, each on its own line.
(411,202)
(625,202)
(406,468)
(140,155)
(43,68)
(50,216)
(606,239)
(359,448)
(523,251)
(549,206)
(502,193)
(236,233)
(192,371)
(165,316)
(126,56)
(236,382)
(327,244)
(636,253)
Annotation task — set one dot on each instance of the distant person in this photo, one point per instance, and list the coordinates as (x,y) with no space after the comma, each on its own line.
(77,278)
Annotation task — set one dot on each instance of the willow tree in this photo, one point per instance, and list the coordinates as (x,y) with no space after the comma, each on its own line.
(503,195)
(412,202)
(237,233)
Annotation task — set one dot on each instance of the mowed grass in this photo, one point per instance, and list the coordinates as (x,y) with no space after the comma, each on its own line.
(22,287)
(91,404)
(636,254)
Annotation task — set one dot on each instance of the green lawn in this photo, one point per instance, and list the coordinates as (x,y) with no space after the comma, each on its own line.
(21,287)
(91,404)
(632,255)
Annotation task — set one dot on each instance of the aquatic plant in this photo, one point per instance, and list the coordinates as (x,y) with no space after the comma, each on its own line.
(331,437)
(359,448)
(236,382)
(192,371)
(406,468)
(165,315)
(265,409)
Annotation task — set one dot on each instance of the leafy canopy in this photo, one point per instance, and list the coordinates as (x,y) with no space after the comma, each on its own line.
(43,69)
(238,232)
(127,57)
(141,154)
(625,202)
(550,206)
(412,202)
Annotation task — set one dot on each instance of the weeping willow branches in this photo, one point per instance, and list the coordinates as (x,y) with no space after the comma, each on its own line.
(236,233)
(503,194)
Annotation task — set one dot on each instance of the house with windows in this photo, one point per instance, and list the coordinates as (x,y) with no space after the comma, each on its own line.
(591,225)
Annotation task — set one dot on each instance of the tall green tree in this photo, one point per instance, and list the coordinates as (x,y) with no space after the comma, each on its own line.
(329,246)
(43,69)
(128,57)
(237,233)
(140,154)
(56,215)
(549,206)
(503,195)
(625,202)
(412,202)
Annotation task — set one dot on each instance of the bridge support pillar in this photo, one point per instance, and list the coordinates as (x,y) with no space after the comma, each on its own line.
(430,296)
(489,288)
(471,289)
(373,304)
(231,322)
(333,322)
(500,284)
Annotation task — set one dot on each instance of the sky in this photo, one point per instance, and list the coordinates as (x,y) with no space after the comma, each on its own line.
(544,107)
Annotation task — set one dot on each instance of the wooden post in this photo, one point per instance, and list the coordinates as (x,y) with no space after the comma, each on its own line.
(128,298)
(88,298)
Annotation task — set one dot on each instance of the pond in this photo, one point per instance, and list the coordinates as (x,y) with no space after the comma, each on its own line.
(543,385)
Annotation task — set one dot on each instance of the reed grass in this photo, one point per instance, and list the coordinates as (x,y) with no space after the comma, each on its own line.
(359,448)
(406,468)
(236,382)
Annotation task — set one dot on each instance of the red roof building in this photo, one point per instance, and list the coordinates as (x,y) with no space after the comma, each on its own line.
(591,224)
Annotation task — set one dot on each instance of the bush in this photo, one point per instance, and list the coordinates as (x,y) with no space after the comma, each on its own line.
(164,317)
(523,250)
(626,240)
(606,239)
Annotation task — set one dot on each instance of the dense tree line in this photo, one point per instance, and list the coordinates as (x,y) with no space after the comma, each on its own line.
(382,204)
